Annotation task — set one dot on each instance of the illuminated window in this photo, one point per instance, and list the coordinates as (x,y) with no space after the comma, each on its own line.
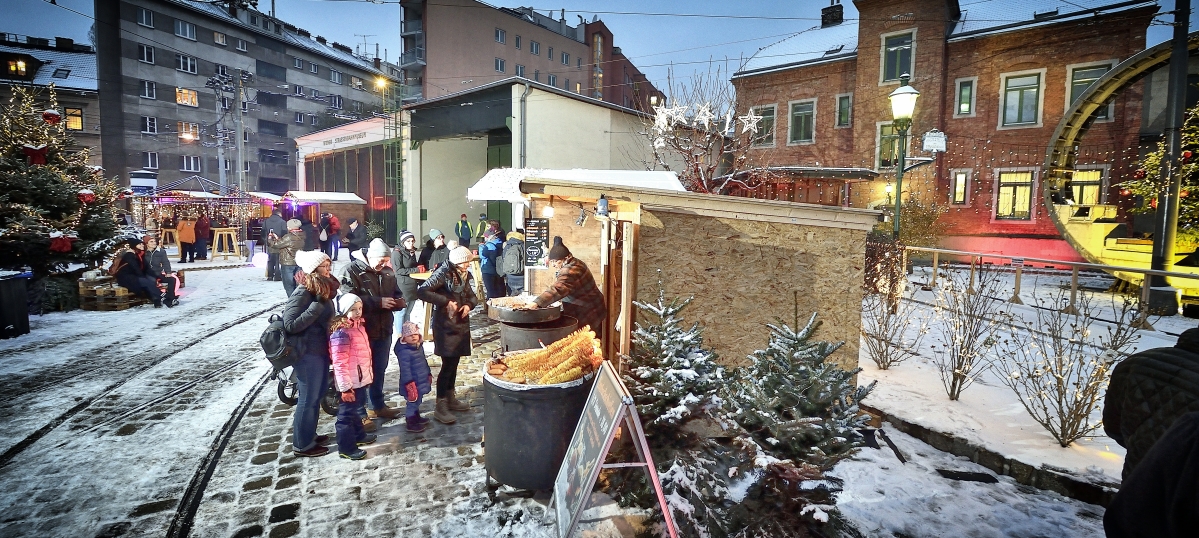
(187,97)
(888,146)
(16,67)
(188,131)
(74,119)
(219,39)
(1087,187)
(1014,196)
(958,190)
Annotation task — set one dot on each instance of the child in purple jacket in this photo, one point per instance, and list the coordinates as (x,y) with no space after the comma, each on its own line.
(415,377)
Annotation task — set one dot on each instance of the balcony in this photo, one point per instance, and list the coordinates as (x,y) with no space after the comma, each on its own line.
(409,94)
(412,58)
(411,27)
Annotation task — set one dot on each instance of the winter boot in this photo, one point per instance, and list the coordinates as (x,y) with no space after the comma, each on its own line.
(415,425)
(442,412)
(386,412)
(455,404)
(369,425)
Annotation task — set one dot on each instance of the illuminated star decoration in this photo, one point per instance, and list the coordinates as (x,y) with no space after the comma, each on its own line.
(749,122)
(661,119)
(703,115)
(728,121)
(678,114)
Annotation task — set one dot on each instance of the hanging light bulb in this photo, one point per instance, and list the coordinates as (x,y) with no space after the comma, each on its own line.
(548,211)
(601,207)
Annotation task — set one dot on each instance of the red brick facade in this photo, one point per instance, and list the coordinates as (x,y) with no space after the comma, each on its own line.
(979,144)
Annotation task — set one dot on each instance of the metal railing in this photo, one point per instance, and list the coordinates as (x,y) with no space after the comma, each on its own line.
(412,56)
(411,26)
(975,260)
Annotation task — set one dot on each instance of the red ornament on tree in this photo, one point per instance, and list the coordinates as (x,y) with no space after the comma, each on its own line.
(61,244)
(51,116)
(86,196)
(1186,155)
(124,194)
(1139,174)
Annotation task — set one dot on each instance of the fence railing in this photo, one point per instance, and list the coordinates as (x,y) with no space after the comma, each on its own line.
(975,260)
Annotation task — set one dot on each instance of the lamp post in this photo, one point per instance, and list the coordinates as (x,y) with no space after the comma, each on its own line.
(903,104)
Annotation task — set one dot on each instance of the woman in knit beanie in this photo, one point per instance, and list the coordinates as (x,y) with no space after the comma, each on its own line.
(450,292)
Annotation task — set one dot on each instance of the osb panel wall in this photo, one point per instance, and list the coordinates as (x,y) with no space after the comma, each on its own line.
(583,241)
(745,274)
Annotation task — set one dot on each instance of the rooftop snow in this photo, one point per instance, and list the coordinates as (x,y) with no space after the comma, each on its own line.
(80,67)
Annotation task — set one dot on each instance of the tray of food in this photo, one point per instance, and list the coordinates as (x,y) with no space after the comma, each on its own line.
(513,310)
(569,359)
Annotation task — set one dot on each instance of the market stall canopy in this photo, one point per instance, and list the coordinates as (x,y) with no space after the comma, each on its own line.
(504,183)
(265,196)
(189,194)
(193,184)
(314,197)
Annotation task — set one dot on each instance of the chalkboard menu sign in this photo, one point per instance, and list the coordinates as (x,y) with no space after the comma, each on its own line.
(537,242)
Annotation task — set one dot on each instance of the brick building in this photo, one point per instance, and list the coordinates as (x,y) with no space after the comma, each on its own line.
(995,77)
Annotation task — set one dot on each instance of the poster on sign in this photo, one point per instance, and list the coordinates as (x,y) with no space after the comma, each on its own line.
(537,243)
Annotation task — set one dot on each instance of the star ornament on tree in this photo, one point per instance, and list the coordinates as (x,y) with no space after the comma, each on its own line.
(704,115)
(749,122)
(661,119)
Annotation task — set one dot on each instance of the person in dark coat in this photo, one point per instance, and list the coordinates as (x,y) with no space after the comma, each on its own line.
(450,292)
(514,249)
(415,379)
(576,288)
(158,265)
(1160,498)
(308,313)
(276,224)
(435,251)
(371,278)
(325,227)
(356,238)
(312,240)
(406,261)
(1147,392)
(490,251)
(203,236)
(133,274)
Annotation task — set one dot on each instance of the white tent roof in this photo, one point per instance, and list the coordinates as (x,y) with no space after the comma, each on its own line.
(265,196)
(504,183)
(195,194)
(325,197)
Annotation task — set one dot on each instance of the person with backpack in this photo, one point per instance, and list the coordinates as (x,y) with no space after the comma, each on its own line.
(512,263)
(325,236)
(371,278)
(288,246)
(489,254)
(307,314)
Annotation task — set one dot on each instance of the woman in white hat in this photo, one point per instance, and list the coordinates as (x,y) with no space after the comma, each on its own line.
(452,295)
(308,313)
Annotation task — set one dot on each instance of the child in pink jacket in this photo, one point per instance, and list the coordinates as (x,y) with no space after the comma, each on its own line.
(351,353)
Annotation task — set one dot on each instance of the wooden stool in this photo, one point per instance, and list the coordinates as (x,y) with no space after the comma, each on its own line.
(168,237)
(225,242)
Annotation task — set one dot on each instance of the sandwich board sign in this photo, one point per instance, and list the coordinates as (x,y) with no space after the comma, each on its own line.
(609,405)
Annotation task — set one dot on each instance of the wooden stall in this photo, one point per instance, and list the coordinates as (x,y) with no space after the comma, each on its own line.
(311,204)
(747,262)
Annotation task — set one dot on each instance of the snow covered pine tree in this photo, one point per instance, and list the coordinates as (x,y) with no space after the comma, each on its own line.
(798,407)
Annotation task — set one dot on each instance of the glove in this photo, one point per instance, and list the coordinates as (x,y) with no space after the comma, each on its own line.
(413,394)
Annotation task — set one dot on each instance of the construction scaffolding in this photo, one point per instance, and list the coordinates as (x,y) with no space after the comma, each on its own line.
(393,161)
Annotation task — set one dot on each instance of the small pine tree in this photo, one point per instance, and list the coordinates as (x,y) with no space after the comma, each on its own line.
(794,403)
(51,214)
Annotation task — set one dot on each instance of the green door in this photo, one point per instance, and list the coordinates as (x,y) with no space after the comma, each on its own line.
(500,156)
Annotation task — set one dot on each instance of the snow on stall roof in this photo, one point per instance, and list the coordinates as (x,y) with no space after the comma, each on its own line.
(504,183)
(325,197)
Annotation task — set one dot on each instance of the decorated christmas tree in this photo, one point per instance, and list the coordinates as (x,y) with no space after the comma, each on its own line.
(55,210)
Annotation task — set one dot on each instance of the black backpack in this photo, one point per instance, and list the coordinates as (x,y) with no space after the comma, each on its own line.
(512,262)
(282,348)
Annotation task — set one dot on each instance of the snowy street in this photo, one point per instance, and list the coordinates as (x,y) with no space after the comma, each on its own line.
(122,430)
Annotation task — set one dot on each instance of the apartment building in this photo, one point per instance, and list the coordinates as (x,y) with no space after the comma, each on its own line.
(456,45)
(38,63)
(161,110)
(994,77)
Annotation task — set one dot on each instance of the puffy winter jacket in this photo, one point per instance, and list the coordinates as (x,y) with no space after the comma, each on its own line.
(581,298)
(186,232)
(413,366)
(489,254)
(451,334)
(306,315)
(405,263)
(287,245)
(350,351)
(372,286)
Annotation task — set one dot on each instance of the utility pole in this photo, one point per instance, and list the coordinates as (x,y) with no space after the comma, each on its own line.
(239,121)
(220,145)
(1163,298)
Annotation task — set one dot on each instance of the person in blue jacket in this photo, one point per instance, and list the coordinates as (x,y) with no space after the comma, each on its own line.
(416,379)
(490,252)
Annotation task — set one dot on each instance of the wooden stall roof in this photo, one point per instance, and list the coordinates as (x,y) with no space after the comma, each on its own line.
(714,205)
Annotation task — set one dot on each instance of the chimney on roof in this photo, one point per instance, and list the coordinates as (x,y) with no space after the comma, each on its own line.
(63,43)
(832,15)
(320,40)
(378,63)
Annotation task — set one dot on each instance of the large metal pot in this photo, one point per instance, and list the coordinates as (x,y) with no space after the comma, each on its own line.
(528,429)
(513,315)
(518,336)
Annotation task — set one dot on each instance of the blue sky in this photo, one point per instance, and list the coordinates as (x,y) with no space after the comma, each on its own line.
(652,42)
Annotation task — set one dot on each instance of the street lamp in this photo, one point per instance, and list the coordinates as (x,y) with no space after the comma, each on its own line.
(903,104)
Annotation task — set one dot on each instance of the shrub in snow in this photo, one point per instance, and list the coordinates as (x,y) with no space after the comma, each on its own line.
(966,314)
(1059,363)
(891,329)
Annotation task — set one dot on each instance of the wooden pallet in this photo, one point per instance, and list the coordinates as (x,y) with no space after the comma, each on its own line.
(110,303)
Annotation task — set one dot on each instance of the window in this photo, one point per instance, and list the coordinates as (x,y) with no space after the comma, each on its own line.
(765,135)
(150,160)
(552,80)
(578,63)
(888,145)
(187,97)
(335,76)
(844,110)
(517,42)
(219,39)
(253,20)
(16,67)
(271,156)
(245,166)
(245,135)
(1014,196)
(228,165)
(149,89)
(74,119)
(300,118)
(241,45)
(298,90)
(314,93)
(597,74)
(145,18)
(145,54)
(1087,187)
(221,69)
(499,65)
(245,106)
(188,131)
(312,119)
(959,187)
(149,125)
(226,103)
(803,118)
(185,29)
(312,68)
(297,63)
(501,36)
(897,56)
(335,101)
(537,75)
(189,163)
(534,48)
(964,103)
(565,59)
(551,54)
(1080,79)
(520,70)
(578,87)
(187,64)
(356,83)
(1022,99)
(566,84)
